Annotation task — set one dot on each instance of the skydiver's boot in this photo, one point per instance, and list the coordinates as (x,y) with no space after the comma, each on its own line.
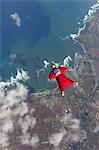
(63,93)
(75,84)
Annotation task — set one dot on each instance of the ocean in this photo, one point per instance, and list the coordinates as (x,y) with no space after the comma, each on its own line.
(32,31)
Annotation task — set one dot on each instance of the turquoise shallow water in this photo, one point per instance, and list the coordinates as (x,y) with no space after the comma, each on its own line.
(44,24)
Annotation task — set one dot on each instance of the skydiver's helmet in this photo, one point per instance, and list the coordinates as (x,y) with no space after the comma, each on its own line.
(54,68)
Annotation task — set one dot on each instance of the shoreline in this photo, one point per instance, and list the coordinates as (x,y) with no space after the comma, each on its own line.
(87,18)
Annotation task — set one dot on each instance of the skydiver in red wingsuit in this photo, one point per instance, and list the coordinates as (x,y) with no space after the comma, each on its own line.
(62,80)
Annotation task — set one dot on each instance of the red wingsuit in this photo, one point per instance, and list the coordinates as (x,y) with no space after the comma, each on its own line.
(62,80)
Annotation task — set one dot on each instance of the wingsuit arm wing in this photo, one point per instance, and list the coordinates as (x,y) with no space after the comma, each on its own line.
(64,69)
(51,76)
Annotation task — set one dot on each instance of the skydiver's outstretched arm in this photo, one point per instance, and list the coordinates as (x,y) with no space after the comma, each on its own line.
(63,69)
(51,76)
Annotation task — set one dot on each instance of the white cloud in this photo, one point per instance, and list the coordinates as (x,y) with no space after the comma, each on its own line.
(16,18)
(27,122)
(34,140)
(7,126)
(4,140)
(21,109)
(14,110)
(73,126)
(9,102)
(67,117)
(25,138)
(76,123)
(21,75)
(56,138)
(16,96)
(71,122)
(4,112)
(75,137)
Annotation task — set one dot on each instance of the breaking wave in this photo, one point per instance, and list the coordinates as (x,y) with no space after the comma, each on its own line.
(86,19)
(21,75)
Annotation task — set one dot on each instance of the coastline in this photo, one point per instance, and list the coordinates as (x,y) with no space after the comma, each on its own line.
(87,18)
